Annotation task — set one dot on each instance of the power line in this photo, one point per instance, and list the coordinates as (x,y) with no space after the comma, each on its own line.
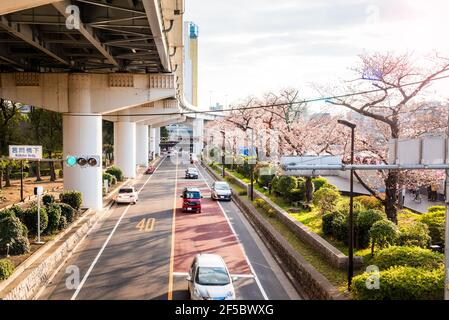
(275,105)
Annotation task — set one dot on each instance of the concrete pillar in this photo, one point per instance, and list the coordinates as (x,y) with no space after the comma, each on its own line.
(198,136)
(125,148)
(82,136)
(153,141)
(158,141)
(142,145)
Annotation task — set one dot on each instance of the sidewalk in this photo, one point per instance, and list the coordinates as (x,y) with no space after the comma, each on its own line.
(343,185)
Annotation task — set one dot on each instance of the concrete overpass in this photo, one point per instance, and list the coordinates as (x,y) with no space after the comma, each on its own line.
(119,60)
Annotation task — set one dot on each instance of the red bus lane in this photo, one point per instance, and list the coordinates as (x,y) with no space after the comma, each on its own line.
(206,232)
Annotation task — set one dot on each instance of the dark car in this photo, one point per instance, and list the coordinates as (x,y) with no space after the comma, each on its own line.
(192,173)
(192,200)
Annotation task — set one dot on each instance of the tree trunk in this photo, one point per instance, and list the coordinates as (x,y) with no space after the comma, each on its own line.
(38,171)
(1,179)
(309,189)
(391,183)
(7,177)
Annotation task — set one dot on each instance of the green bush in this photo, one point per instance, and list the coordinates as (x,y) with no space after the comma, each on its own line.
(327,220)
(369,202)
(263,173)
(30,220)
(326,199)
(14,233)
(114,181)
(60,173)
(54,215)
(109,177)
(116,172)
(72,198)
(275,184)
(259,203)
(18,211)
(6,269)
(342,206)
(67,211)
(7,213)
(435,221)
(383,233)
(407,256)
(415,234)
(437,209)
(286,184)
(16,175)
(319,182)
(296,195)
(47,199)
(363,223)
(402,283)
(62,223)
(340,227)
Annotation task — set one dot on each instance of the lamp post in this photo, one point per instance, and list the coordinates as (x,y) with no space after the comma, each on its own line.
(352,126)
(223,149)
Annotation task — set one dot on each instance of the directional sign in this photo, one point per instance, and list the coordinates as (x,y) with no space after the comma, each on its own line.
(25,152)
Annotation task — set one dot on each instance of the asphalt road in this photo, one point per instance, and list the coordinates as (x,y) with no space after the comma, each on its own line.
(140,251)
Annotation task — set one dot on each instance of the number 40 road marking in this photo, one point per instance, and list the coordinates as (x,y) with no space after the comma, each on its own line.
(146,225)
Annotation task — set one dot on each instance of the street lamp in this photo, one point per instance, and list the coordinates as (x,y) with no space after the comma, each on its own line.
(352,126)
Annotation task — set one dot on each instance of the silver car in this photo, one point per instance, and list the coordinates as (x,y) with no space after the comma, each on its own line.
(209,279)
(221,191)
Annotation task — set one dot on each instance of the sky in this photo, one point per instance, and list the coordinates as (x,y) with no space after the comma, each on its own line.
(248,47)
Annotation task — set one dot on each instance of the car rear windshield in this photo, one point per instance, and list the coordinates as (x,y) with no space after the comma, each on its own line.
(127,190)
(193,195)
(220,186)
(208,276)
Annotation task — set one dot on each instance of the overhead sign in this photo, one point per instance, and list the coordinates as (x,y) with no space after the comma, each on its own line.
(25,152)
(288,165)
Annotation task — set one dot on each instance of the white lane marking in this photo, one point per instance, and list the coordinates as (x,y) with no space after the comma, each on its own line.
(108,239)
(241,245)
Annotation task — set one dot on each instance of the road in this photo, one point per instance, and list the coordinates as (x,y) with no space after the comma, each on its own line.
(143,251)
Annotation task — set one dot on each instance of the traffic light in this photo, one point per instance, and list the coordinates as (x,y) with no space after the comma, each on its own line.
(83,161)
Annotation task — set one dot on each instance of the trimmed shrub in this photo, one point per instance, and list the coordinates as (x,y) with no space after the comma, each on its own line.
(286,184)
(109,177)
(72,198)
(435,221)
(47,199)
(114,181)
(16,175)
(14,233)
(319,182)
(6,214)
(326,225)
(30,220)
(275,184)
(296,195)
(54,215)
(415,234)
(407,256)
(437,209)
(401,283)
(116,172)
(18,211)
(60,173)
(6,269)
(363,223)
(369,202)
(326,199)
(62,223)
(67,211)
(383,233)
(340,228)
(259,203)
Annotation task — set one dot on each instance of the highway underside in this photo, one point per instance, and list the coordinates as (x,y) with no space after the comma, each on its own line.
(143,251)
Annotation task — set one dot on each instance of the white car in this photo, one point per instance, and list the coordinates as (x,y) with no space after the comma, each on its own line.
(221,191)
(127,195)
(209,279)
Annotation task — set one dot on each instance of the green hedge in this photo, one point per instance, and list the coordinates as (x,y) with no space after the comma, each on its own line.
(116,172)
(369,202)
(435,221)
(62,223)
(30,219)
(18,211)
(16,175)
(72,198)
(67,211)
(383,233)
(402,283)
(7,213)
(415,234)
(326,199)
(47,199)
(363,224)
(14,233)
(6,269)
(407,256)
(319,182)
(54,215)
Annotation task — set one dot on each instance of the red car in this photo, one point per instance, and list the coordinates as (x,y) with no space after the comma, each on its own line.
(192,200)
(150,170)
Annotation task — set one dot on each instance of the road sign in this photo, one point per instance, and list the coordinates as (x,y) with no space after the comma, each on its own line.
(25,152)
(426,150)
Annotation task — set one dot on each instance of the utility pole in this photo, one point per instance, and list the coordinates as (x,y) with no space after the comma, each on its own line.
(251,159)
(446,242)
(223,158)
